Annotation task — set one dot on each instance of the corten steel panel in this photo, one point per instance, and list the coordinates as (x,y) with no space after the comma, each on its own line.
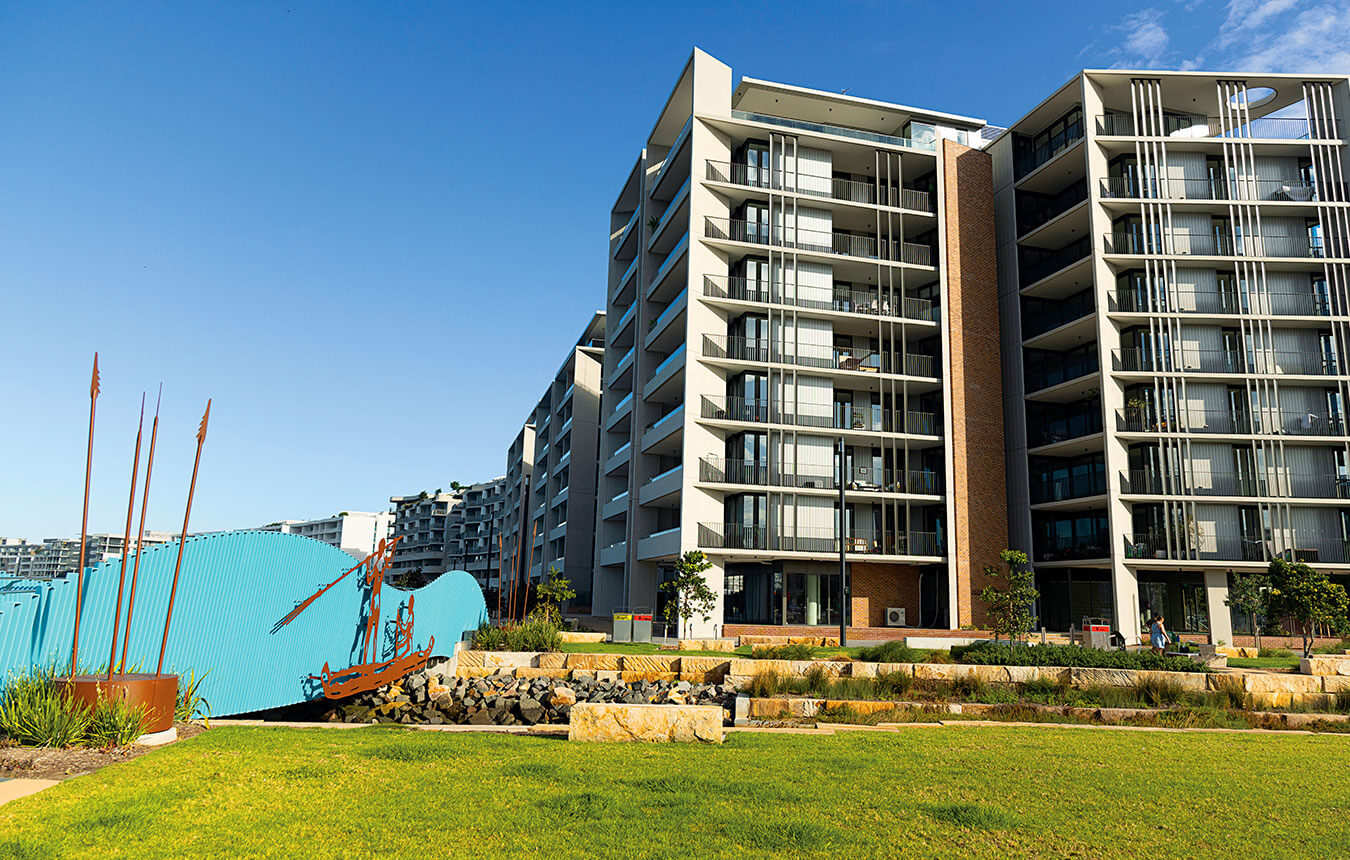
(979,494)
(235,587)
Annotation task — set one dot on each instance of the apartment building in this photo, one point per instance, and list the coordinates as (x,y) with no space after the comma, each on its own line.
(472,527)
(793,272)
(56,557)
(420,524)
(1173,291)
(516,518)
(558,507)
(357,533)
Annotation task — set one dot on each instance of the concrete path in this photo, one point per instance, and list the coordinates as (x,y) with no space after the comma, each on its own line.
(12,789)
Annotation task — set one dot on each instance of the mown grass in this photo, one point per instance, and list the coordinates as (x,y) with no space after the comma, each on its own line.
(976,792)
(1290,662)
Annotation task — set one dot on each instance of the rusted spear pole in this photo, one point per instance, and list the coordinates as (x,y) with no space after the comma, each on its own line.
(126,538)
(515,572)
(501,565)
(529,567)
(84,520)
(140,536)
(182,540)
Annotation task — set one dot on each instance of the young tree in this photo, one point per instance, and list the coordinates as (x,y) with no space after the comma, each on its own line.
(1308,597)
(690,596)
(553,593)
(1250,596)
(1009,609)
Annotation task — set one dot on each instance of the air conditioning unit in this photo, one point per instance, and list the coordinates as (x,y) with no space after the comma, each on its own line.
(895,616)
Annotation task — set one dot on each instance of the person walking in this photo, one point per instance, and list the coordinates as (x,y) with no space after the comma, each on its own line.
(1158,635)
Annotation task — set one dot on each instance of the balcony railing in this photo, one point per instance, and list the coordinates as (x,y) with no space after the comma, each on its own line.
(1182,243)
(1291,545)
(1040,316)
(1066,368)
(1069,548)
(1043,263)
(715,470)
(1062,429)
(868,302)
(817,241)
(840,131)
(822,356)
(1265,128)
(1200,482)
(1186,360)
(1142,419)
(1045,488)
(1032,212)
(1184,301)
(859,542)
(1297,190)
(865,420)
(1031,159)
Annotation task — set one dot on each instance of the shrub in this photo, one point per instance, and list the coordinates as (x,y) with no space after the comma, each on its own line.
(34,712)
(968,686)
(817,682)
(536,634)
(1000,695)
(782,652)
(1275,652)
(1342,703)
(190,703)
(764,684)
(889,652)
(1043,690)
(893,684)
(1158,692)
(113,722)
(991,654)
(1229,692)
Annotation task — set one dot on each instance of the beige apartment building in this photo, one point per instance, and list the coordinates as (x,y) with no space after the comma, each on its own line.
(792,270)
(1173,281)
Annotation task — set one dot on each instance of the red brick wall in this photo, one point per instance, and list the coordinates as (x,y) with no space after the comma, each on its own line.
(881,586)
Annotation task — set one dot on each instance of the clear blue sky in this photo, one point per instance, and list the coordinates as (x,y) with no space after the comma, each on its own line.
(369,230)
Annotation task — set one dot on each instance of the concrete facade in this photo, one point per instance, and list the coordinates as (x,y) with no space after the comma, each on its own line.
(356,533)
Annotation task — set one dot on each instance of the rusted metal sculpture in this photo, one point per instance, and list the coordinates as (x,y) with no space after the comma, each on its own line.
(84,520)
(126,538)
(371,672)
(182,541)
(140,536)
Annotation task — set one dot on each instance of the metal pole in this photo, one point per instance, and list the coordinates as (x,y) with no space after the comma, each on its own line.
(140,534)
(126,539)
(501,564)
(182,541)
(84,520)
(843,563)
(529,567)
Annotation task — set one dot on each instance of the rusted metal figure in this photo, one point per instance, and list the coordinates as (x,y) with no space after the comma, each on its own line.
(84,521)
(370,673)
(182,541)
(126,538)
(140,536)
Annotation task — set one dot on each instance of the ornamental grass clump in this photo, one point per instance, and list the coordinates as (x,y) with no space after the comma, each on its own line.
(999,654)
(783,652)
(889,652)
(114,722)
(190,704)
(33,712)
(538,633)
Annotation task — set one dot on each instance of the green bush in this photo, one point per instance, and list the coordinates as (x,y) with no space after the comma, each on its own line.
(782,652)
(765,683)
(1157,692)
(1275,652)
(536,634)
(893,684)
(889,652)
(991,654)
(114,722)
(190,703)
(35,713)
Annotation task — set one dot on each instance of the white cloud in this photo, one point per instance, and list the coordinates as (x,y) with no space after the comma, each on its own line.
(1283,36)
(1145,36)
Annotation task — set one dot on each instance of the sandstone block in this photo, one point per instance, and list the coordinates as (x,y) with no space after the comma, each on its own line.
(553,660)
(647,723)
(1335,684)
(1195,682)
(532,672)
(889,668)
(579,637)
(1084,677)
(988,674)
(581,674)
(610,675)
(828,642)
(711,669)
(859,706)
(470,658)
(935,671)
(1325,664)
(801,667)
(594,662)
(474,672)
(769,709)
(1275,699)
(763,640)
(650,663)
(719,645)
(629,677)
(862,670)
(562,696)
(510,659)
(803,640)
(1264,682)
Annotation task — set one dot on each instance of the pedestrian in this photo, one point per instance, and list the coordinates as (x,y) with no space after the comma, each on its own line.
(1158,635)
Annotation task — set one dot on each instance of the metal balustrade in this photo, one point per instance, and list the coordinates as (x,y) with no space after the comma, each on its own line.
(1187,360)
(1247,188)
(1198,544)
(1187,126)
(815,540)
(870,302)
(1183,243)
(1217,302)
(761,411)
(716,470)
(1266,422)
(824,356)
(1204,482)
(817,241)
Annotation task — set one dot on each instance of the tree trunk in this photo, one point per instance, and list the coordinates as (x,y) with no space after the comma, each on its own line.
(1256,631)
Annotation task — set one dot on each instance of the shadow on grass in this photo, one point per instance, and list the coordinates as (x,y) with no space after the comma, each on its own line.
(972,815)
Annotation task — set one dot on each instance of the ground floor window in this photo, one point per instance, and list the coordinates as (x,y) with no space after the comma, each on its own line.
(1068,595)
(769,594)
(1180,598)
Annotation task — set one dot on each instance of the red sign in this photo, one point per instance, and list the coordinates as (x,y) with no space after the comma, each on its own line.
(1095,628)
(642,618)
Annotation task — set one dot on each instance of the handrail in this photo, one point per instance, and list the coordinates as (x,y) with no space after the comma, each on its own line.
(840,131)
(871,302)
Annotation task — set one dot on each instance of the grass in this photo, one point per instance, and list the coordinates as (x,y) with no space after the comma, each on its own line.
(1290,662)
(920,655)
(965,792)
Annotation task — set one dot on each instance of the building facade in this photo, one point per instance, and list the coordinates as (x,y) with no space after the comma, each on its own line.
(516,519)
(56,557)
(472,529)
(1173,277)
(420,525)
(792,271)
(357,533)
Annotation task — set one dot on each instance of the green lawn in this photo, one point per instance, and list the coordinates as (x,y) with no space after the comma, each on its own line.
(1263,662)
(922,792)
(650,648)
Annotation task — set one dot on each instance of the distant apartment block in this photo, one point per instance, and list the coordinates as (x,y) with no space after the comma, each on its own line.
(472,529)
(356,533)
(516,519)
(1174,286)
(790,268)
(56,557)
(420,525)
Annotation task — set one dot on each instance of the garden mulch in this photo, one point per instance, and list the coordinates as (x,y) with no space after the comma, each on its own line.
(57,764)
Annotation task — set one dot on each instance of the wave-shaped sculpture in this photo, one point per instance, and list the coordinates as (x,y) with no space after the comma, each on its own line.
(234,588)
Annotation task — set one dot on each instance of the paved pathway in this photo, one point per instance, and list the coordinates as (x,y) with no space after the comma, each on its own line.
(12,789)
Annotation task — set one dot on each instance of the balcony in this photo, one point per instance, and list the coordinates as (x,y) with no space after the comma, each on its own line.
(829,187)
(860,420)
(615,507)
(1245,189)
(662,486)
(1046,488)
(1032,212)
(664,372)
(1222,361)
(621,288)
(1292,545)
(818,241)
(624,245)
(622,410)
(658,243)
(1063,429)
(1040,315)
(838,131)
(1220,303)
(1069,548)
(867,302)
(1030,160)
(662,544)
(714,470)
(1198,482)
(669,265)
(619,459)
(614,555)
(657,327)
(860,542)
(734,348)
(1268,422)
(1200,127)
(1039,263)
(1063,368)
(1187,244)
(663,428)
(671,155)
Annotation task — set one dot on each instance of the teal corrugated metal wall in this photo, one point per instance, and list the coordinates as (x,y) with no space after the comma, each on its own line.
(233,589)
